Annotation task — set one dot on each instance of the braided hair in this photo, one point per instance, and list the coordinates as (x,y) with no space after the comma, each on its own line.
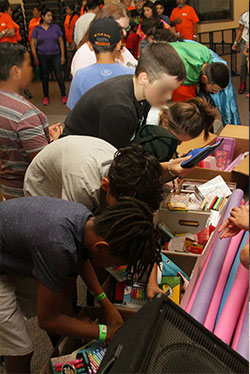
(129,230)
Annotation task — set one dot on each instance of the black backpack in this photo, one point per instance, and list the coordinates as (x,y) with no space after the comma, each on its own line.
(157,140)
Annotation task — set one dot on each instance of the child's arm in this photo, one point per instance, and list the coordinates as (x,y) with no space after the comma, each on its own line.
(111,315)
(152,286)
(238,37)
(52,318)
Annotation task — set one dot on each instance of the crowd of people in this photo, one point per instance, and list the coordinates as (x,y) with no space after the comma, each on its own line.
(85,199)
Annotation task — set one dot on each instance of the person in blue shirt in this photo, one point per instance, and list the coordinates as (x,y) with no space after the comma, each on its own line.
(105,40)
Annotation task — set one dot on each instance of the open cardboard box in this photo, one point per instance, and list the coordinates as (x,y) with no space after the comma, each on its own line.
(240,174)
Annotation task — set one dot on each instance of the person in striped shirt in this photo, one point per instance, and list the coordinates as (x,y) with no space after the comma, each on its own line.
(23,127)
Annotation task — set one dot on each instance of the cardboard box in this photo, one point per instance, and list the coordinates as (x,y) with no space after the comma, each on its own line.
(240,174)
(183,222)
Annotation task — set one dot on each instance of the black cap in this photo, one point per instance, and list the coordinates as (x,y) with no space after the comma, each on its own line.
(104,32)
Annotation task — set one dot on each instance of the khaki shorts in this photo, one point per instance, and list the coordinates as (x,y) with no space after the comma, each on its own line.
(18,299)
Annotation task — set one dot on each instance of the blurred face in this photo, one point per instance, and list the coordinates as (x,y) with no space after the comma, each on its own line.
(36,13)
(126,3)
(48,18)
(148,13)
(158,92)
(139,5)
(181,3)
(181,137)
(68,11)
(212,88)
(124,24)
(24,73)
(159,9)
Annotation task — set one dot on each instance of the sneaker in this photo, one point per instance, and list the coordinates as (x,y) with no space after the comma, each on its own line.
(242,88)
(46,101)
(64,99)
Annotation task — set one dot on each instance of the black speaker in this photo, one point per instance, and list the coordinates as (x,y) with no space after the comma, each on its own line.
(161,338)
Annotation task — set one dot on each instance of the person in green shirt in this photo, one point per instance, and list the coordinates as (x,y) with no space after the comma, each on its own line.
(213,76)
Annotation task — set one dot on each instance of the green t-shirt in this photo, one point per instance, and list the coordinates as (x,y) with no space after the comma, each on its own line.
(194,55)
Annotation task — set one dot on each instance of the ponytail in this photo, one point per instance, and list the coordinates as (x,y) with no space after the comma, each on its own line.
(190,117)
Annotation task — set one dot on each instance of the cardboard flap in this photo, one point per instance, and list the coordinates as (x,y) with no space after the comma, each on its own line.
(235,131)
(243,167)
(198,142)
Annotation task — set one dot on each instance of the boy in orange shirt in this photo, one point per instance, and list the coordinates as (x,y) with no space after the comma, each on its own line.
(185,20)
(69,24)
(35,21)
(7,26)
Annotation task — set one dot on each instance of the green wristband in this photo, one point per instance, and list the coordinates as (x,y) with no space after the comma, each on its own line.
(102,332)
(101,296)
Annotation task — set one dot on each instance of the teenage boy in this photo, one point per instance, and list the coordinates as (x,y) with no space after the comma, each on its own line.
(82,24)
(44,240)
(100,177)
(105,41)
(7,25)
(137,13)
(35,21)
(185,20)
(116,108)
(212,76)
(23,128)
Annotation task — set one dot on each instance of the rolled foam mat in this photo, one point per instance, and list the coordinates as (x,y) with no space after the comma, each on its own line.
(218,293)
(206,290)
(232,275)
(231,312)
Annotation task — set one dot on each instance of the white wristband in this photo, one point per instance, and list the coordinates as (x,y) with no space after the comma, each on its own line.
(169,168)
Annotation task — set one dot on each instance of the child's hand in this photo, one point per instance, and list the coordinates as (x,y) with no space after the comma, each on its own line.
(229,230)
(238,220)
(177,169)
(152,290)
(239,217)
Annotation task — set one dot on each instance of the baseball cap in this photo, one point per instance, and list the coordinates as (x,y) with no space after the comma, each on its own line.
(104,32)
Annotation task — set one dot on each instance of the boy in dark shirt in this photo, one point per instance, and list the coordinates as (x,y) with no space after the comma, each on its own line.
(43,241)
(115,109)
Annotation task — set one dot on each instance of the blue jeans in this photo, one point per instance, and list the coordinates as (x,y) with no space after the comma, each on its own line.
(54,61)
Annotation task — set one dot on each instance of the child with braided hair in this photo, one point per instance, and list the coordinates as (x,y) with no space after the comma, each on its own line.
(44,240)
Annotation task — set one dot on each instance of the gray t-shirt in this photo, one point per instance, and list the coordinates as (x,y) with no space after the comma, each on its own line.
(42,237)
(71,168)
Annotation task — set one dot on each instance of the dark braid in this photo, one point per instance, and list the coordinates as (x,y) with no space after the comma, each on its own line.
(129,230)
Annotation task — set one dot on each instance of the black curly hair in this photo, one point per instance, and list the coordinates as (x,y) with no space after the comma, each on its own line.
(136,173)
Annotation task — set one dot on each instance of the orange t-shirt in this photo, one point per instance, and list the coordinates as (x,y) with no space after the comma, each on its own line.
(17,32)
(82,11)
(188,17)
(32,24)
(69,27)
(6,22)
